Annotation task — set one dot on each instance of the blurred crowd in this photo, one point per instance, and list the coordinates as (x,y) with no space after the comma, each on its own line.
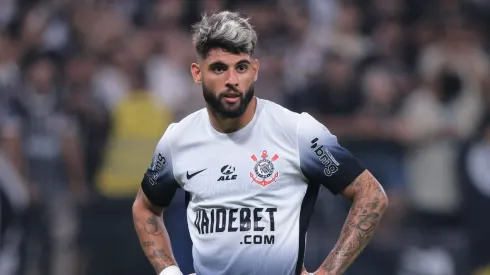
(87,87)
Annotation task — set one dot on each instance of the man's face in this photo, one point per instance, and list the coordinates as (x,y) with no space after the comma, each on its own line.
(227,81)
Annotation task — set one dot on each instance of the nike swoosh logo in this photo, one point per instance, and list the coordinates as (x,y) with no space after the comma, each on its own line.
(190,176)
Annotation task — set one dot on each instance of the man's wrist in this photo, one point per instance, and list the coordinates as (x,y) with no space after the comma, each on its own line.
(327,271)
(171,270)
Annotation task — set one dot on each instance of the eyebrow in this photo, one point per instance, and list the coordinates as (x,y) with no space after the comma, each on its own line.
(219,62)
(243,61)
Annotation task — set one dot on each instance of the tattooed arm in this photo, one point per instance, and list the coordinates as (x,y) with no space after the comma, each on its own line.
(324,161)
(152,233)
(369,202)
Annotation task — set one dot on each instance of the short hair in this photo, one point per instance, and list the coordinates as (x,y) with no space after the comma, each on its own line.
(226,30)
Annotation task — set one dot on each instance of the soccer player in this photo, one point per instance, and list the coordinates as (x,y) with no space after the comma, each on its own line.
(252,171)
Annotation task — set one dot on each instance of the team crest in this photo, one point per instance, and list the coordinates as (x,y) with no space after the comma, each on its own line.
(264,171)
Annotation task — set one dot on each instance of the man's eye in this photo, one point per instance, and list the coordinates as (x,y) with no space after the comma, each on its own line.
(242,68)
(219,70)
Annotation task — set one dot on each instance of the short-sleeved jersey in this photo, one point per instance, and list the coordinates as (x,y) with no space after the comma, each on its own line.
(251,192)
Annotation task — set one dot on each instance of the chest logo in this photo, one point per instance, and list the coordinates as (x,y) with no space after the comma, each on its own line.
(264,171)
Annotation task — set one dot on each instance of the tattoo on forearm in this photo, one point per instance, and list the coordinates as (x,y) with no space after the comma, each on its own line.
(156,265)
(160,260)
(147,244)
(162,255)
(158,256)
(364,216)
(152,226)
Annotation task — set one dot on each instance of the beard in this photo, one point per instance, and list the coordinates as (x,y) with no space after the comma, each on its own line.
(226,110)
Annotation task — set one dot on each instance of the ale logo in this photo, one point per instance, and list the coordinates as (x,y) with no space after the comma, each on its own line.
(228,173)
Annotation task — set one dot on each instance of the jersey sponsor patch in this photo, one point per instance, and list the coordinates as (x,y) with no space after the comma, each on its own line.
(190,176)
(326,158)
(259,223)
(156,166)
(264,171)
(228,173)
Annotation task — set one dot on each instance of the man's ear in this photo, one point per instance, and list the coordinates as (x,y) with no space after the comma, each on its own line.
(255,68)
(196,73)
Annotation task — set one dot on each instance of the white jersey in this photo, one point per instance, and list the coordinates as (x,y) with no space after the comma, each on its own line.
(252,191)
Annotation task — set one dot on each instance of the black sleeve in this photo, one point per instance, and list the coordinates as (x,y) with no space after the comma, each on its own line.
(322,159)
(159,183)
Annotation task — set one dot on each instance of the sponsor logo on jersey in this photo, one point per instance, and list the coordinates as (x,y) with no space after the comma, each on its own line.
(254,220)
(190,176)
(228,172)
(156,166)
(263,171)
(326,158)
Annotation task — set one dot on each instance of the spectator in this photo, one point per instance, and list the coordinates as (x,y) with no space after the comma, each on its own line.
(333,96)
(42,142)
(440,117)
(138,123)
(475,162)
(401,85)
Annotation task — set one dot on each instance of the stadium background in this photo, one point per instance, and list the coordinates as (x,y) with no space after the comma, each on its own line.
(88,86)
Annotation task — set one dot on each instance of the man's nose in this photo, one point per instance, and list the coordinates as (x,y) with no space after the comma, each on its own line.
(232,78)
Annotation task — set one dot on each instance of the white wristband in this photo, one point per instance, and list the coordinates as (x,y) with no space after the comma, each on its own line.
(172,270)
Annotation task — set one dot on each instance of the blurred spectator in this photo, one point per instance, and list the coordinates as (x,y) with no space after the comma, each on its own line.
(474,165)
(332,96)
(459,50)
(302,54)
(9,69)
(13,204)
(7,12)
(14,197)
(380,143)
(169,73)
(111,81)
(138,123)
(402,83)
(346,37)
(91,113)
(440,115)
(93,121)
(42,142)
(130,140)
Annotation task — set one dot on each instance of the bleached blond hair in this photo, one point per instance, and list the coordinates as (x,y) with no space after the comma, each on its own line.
(225,30)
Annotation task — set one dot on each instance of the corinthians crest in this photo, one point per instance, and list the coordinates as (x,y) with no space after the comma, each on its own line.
(264,171)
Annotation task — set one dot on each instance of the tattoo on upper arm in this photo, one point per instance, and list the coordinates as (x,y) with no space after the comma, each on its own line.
(366,211)
(153,227)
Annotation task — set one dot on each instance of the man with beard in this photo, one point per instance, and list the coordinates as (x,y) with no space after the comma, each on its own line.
(251,170)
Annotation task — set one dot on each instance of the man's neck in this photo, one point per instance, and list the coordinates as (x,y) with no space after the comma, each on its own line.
(230,125)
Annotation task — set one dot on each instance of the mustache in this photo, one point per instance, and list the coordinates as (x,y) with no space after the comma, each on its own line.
(231,89)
